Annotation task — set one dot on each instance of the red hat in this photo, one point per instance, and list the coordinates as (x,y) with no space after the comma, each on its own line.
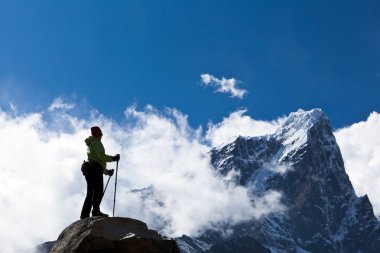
(96,131)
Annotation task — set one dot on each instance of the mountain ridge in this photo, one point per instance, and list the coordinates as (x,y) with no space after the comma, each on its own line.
(303,162)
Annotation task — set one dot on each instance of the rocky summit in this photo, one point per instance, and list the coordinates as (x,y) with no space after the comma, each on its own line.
(112,235)
(302,161)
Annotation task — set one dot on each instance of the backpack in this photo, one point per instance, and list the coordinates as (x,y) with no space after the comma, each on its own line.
(85,167)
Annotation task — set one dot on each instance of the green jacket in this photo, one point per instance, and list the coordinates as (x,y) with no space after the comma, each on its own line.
(96,153)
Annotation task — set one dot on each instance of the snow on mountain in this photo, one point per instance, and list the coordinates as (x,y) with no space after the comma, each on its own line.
(302,161)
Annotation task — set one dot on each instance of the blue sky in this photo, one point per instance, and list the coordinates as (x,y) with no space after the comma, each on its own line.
(111,54)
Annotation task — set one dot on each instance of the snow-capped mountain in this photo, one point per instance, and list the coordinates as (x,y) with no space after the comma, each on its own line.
(302,161)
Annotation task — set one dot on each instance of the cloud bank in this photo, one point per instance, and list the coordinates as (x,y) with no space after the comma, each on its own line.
(42,188)
(360,147)
(164,152)
(165,177)
(224,85)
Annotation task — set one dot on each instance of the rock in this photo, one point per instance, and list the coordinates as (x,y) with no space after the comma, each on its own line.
(112,235)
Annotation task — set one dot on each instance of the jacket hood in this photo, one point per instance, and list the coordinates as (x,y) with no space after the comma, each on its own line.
(90,139)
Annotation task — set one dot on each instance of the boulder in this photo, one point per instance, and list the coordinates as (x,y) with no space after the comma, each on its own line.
(112,235)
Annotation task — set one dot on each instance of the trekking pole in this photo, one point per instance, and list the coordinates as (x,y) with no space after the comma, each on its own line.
(106,185)
(114,196)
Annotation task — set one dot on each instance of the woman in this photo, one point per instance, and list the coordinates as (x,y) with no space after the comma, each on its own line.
(93,171)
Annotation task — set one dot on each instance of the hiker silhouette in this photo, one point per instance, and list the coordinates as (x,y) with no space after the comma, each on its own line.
(93,171)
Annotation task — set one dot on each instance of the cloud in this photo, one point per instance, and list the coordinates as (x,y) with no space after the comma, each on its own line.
(42,183)
(161,155)
(237,123)
(58,104)
(360,147)
(186,196)
(224,85)
(39,182)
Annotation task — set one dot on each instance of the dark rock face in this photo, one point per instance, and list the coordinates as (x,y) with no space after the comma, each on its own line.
(112,235)
(302,161)
(239,245)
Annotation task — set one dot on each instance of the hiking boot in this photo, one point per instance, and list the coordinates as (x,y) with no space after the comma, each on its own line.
(99,213)
(84,217)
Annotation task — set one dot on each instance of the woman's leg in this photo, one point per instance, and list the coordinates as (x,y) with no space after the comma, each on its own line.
(88,201)
(98,190)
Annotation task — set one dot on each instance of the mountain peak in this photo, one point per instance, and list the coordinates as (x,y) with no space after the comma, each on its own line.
(304,119)
(303,162)
(295,129)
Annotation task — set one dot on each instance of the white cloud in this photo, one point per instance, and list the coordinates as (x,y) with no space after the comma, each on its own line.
(239,124)
(224,85)
(360,147)
(163,151)
(42,183)
(58,104)
(40,189)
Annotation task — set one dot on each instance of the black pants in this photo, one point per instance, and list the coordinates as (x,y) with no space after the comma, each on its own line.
(94,178)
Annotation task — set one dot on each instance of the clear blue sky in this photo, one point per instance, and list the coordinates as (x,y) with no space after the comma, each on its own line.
(287,54)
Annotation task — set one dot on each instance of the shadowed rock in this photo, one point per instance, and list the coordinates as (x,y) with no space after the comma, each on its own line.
(243,244)
(112,235)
